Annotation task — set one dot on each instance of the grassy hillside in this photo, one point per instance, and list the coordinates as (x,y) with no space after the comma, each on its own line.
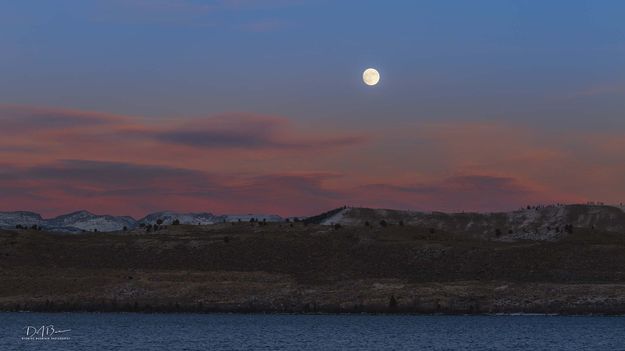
(303,267)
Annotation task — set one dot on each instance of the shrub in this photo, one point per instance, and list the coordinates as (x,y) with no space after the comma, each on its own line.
(392,303)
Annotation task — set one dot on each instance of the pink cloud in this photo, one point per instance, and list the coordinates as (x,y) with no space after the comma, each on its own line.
(123,188)
(59,160)
(71,134)
(19,119)
(454,194)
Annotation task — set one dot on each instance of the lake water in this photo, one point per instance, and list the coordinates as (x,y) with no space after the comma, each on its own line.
(130,331)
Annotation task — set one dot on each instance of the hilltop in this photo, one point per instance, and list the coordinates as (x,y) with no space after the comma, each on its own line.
(533,223)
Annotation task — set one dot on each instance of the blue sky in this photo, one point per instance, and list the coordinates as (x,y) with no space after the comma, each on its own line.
(492,59)
(554,67)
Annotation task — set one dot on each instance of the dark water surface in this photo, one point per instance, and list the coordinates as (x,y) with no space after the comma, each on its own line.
(130,331)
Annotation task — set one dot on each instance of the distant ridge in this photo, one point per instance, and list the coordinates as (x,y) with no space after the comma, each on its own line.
(85,221)
(533,223)
(323,217)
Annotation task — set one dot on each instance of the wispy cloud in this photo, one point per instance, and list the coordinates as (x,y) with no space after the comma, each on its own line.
(17,118)
(249,131)
(458,193)
(57,160)
(116,187)
(74,131)
(123,188)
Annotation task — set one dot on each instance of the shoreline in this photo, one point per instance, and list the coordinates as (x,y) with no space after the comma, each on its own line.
(382,314)
(167,309)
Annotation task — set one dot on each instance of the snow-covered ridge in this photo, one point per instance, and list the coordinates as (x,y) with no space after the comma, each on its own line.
(536,223)
(24,218)
(87,221)
(168,217)
(84,221)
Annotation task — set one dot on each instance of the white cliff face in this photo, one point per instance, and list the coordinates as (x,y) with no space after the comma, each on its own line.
(84,221)
(169,217)
(87,221)
(73,222)
(23,218)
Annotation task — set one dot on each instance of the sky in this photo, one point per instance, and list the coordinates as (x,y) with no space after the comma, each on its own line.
(127,107)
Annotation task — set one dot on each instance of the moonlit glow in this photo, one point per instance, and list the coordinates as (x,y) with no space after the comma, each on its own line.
(371,76)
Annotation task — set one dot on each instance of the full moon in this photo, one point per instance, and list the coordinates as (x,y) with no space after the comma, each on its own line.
(371,76)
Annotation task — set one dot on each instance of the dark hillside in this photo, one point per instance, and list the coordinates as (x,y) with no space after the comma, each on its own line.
(304,268)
